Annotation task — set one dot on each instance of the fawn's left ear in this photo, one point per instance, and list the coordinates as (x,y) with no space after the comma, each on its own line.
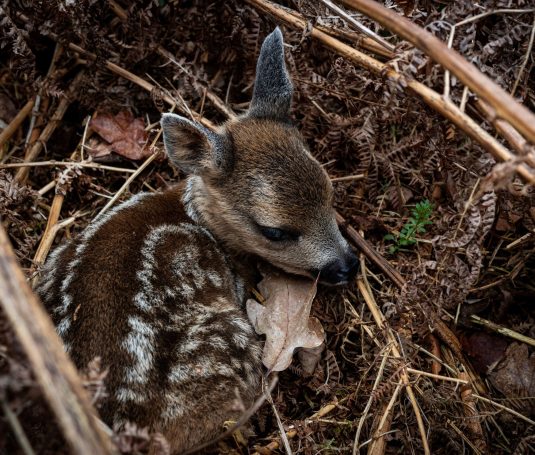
(272,95)
(194,148)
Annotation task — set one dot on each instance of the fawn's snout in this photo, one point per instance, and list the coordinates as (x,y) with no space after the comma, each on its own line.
(340,271)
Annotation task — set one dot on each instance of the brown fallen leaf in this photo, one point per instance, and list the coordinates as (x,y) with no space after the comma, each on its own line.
(515,375)
(284,318)
(310,357)
(124,134)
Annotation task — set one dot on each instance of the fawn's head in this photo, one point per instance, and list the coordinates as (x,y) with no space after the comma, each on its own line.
(256,186)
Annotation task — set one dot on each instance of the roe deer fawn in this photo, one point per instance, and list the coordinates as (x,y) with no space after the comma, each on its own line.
(156,286)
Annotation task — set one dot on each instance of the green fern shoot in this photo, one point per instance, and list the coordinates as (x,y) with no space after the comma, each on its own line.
(419,219)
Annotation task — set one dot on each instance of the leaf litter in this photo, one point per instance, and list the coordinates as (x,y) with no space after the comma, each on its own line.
(475,251)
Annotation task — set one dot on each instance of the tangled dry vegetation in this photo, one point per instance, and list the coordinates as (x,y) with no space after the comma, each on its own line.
(412,364)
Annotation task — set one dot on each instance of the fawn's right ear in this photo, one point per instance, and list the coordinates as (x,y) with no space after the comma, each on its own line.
(273,90)
(194,148)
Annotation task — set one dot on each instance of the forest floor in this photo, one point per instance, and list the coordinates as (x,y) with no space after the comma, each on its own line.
(440,357)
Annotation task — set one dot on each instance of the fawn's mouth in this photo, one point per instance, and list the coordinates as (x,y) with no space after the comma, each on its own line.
(311,274)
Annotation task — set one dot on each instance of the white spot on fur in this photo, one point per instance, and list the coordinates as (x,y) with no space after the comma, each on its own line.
(214,278)
(187,199)
(190,346)
(242,324)
(140,344)
(240,288)
(124,394)
(241,339)
(177,405)
(63,326)
(204,367)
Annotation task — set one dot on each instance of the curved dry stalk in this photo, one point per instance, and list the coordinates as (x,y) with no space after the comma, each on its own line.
(429,96)
(504,104)
(53,370)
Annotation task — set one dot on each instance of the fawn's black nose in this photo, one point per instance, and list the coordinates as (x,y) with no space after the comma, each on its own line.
(340,271)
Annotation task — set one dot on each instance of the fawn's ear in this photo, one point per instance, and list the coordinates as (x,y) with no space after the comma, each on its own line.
(272,95)
(193,148)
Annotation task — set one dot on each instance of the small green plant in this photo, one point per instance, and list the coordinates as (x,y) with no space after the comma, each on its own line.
(419,219)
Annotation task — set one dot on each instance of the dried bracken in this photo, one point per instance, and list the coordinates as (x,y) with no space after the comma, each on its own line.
(476,257)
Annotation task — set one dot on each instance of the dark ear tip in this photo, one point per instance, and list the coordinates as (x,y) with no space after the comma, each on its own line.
(275,38)
(169,119)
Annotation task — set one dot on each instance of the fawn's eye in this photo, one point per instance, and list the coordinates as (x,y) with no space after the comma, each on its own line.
(278,235)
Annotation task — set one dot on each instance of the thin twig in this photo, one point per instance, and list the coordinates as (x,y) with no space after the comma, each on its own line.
(436,376)
(502,330)
(87,164)
(15,425)
(360,27)
(123,188)
(505,408)
(526,58)
(348,178)
(281,427)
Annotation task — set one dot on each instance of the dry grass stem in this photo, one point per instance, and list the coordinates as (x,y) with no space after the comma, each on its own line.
(87,164)
(356,24)
(13,126)
(128,181)
(436,376)
(502,330)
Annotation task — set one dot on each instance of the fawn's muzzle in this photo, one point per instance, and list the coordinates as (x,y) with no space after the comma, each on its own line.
(340,271)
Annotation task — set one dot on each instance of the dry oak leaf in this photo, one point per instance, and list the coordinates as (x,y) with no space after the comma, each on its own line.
(124,134)
(515,375)
(285,318)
